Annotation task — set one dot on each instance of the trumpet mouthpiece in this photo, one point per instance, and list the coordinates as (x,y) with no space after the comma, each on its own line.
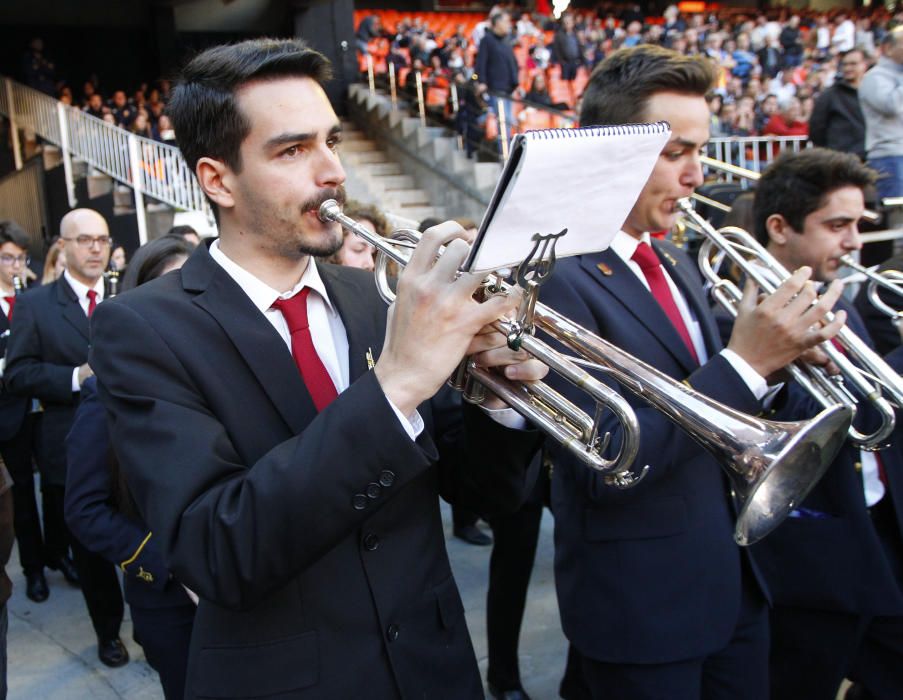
(329,211)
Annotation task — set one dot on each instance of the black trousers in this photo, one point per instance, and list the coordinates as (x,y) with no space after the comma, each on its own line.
(737,672)
(165,633)
(814,650)
(35,549)
(100,588)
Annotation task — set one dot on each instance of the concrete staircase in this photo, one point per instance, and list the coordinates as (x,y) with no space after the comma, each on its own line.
(374,178)
(408,168)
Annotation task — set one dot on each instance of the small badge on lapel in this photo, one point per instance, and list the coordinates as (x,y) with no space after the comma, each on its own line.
(669,258)
(605,269)
(370,363)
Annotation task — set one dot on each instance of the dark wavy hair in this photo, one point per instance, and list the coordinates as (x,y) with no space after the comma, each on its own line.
(620,87)
(11,232)
(796,184)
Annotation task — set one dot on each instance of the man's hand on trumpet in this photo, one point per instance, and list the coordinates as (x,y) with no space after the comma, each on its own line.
(773,331)
(435,321)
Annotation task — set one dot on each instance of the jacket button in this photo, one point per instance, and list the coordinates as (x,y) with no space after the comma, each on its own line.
(359,501)
(386,478)
(373,490)
(371,542)
(392,632)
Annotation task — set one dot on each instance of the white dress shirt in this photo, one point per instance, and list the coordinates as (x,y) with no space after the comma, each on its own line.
(624,245)
(326,327)
(81,291)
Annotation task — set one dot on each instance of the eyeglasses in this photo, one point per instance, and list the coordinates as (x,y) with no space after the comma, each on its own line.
(85,241)
(8,259)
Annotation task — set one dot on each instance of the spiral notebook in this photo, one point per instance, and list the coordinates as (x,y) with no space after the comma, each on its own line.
(583,180)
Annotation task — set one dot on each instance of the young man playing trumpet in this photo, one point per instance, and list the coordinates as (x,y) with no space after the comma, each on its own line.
(835,567)
(653,591)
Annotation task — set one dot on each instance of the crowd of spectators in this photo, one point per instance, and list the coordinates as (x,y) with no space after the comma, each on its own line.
(141,111)
(771,66)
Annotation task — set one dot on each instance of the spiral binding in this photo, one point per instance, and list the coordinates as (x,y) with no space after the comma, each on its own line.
(596,131)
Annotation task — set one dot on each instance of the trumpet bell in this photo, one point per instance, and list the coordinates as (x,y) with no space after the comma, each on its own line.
(772,477)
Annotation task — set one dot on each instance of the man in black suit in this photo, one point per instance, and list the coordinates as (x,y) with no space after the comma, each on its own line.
(47,359)
(17,426)
(273,426)
(835,566)
(654,593)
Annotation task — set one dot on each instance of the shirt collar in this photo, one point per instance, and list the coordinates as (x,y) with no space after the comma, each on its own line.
(261,294)
(624,245)
(81,290)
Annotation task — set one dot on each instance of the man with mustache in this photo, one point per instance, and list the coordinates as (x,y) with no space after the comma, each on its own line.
(47,359)
(275,427)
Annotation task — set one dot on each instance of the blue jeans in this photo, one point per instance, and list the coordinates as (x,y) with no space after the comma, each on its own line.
(890,175)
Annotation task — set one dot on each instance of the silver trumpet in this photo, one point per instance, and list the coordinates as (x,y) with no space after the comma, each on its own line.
(859,365)
(772,465)
(888,280)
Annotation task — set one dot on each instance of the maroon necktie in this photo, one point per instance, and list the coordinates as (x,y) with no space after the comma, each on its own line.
(651,266)
(92,302)
(313,371)
(12,302)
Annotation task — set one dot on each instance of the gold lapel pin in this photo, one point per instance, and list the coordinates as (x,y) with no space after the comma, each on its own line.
(605,269)
(669,258)
(369,356)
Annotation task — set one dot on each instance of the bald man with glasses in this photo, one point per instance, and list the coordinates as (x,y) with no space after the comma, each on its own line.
(47,358)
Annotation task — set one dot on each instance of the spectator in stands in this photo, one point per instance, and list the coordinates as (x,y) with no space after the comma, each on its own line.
(539,93)
(790,41)
(881,99)
(844,37)
(39,73)
(164,131)
(568,52)
(744,59)
(865,37)
(123,113)
(771,58)
(496,67)
(837,120)
(88,90)
(370,28)
(95,106)
(140,125)
(633,37)
(788,121)
(822,36)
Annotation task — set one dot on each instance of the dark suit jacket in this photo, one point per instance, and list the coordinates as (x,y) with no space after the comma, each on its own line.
(650,574)
(314,540)
(496,65)
(93,516)
(831,558)
(48,340)
(12,408)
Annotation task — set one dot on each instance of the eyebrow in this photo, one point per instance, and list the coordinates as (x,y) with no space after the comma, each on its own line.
(298,137)
(686,143)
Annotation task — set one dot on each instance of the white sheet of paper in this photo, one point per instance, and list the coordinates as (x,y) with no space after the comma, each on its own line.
(585,180)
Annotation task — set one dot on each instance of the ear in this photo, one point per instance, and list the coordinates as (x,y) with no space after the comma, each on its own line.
(213,176)
(778,229)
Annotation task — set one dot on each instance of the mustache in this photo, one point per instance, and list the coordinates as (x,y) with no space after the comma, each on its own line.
(336,193)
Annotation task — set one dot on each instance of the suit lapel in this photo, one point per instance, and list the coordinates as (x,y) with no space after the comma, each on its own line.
(72,310)
(620,281)
(348,298)
(257,341)
(688,283)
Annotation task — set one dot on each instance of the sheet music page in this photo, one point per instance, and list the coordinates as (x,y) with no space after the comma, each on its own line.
(584,180)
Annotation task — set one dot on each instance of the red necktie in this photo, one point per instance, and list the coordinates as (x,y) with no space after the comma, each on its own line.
(313,371)
(651,266)
(92,302)
(12,302)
